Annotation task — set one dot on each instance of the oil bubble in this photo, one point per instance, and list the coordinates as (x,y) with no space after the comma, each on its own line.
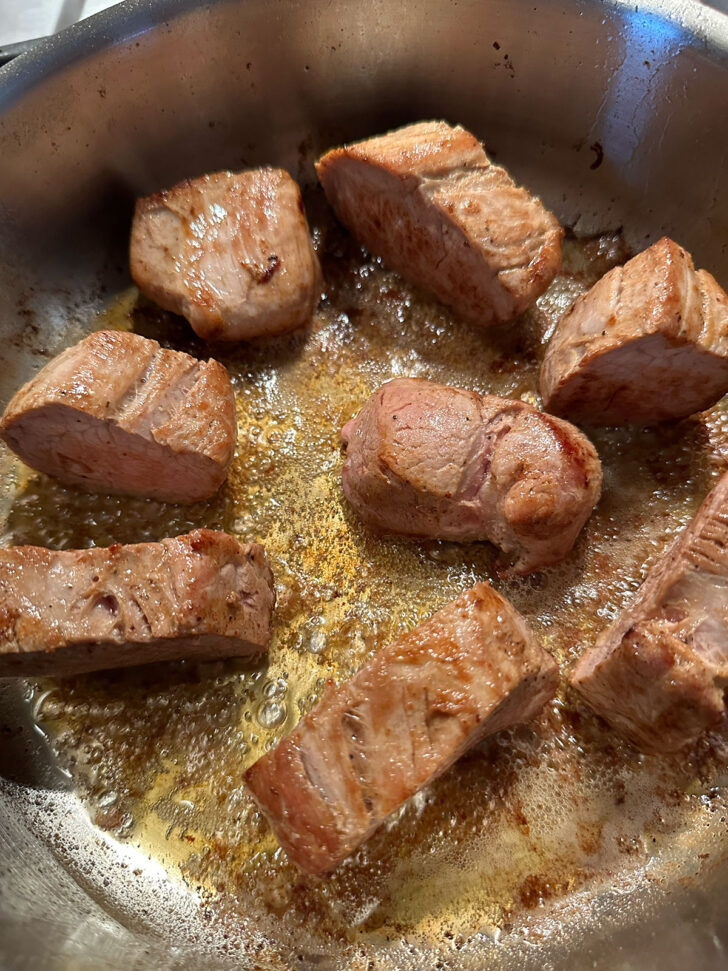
(270,714)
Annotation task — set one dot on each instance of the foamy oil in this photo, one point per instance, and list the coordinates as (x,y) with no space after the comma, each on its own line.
(527,820)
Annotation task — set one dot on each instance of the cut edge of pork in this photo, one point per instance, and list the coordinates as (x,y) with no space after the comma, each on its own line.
(169,435)
(647,343)
(451,241)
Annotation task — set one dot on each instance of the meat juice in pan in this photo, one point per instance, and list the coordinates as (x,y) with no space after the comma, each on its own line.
(524,820)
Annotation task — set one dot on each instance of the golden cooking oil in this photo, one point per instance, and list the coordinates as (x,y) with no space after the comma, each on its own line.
(525,820)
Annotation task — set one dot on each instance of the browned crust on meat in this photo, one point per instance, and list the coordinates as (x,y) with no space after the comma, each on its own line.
(472,669)
(429,201)
(648,343)
(229,251)
(477,467)
(202,595)
(96,413)
(645,675)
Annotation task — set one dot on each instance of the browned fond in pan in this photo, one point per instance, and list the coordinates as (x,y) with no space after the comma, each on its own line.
(531,817)
(558,840)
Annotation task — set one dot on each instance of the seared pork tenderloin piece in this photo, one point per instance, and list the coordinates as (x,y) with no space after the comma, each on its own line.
(425,459)
(117,413)
(472,669)
(659,674)
(428,200)
(201,596)
(231,252)
(647,343)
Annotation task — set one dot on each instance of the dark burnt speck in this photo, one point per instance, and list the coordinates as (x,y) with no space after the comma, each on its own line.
(598,150)
(273,264)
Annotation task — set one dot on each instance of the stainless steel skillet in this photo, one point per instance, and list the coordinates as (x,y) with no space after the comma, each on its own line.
(614,112)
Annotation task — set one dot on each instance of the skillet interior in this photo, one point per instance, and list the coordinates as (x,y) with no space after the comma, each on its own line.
(202,92)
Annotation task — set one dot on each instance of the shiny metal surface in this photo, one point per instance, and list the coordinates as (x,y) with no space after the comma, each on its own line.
(612,111)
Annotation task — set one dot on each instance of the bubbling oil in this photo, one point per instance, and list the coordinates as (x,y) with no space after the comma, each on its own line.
(520,824)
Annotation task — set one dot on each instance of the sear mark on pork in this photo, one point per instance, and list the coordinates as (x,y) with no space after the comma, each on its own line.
(425,459)
(201,596)
(659,674)
(230,252)
(116,413)
(429,201)
(647,343)
(472,669)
